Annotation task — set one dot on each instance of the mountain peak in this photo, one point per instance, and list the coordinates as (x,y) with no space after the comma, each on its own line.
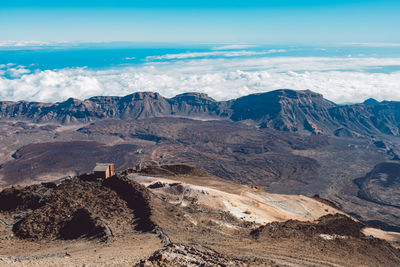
(193,97)
(282,109)
(290,93)
(194,94)
(143,96)
(371,102)
(71,102)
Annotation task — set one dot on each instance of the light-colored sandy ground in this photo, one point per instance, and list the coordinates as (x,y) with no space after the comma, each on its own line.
(244,202)
(251,204)
(392,237)
(192,210)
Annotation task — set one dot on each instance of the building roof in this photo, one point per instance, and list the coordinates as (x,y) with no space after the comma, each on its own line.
(101,167)
(59,180)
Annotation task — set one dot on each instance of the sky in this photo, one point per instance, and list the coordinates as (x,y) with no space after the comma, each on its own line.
(347,50)
(195,21)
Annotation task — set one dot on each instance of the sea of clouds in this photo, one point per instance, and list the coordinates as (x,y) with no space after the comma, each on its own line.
(342,80)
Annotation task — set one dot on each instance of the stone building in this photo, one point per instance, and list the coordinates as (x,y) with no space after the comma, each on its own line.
(104,170)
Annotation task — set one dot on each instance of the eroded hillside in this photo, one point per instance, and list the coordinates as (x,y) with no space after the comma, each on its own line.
(176,215)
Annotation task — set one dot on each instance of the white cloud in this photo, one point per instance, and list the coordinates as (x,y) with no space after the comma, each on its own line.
(17,72)
(22,43)
(233,46)
(215,53)
(338,79)
(129,58)
(31,43)
(375,44)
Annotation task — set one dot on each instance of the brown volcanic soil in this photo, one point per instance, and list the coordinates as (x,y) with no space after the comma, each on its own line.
(173,170)
(76,218)
(337,224)
(20,198)
(118,221)
(296,244)
(34,160)
(325,201)
(226,149)
(280,162)
(77,208)
(195,255)
(381,185)
(334,235)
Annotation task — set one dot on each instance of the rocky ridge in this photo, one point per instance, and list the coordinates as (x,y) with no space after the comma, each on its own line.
(83,219)
(284,109)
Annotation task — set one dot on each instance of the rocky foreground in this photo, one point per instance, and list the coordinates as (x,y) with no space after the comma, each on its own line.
(177,216)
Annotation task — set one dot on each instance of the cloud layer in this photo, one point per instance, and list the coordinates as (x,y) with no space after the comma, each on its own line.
(341,80)
(241,53)
(233,46)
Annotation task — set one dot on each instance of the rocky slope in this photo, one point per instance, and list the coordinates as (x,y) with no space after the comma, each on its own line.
(371,119)
(278,161)
(228,149)
(287,110)
(177,215)
(134,106)
(381,185)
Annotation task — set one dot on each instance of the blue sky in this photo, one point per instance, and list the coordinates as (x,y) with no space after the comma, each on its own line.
(251,21)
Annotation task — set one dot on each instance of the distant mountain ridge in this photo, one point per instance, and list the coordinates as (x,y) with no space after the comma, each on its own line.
(283,109)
